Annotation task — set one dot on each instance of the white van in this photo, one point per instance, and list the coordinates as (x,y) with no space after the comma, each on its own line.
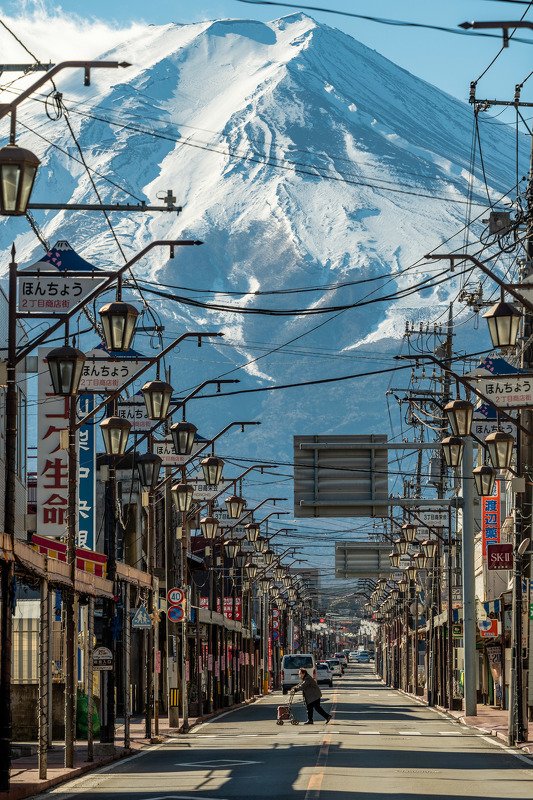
(290,664)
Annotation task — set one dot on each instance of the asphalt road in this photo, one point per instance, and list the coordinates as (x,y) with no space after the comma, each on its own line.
(379,745)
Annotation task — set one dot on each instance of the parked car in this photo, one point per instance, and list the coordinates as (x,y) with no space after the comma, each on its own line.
(363,657)
(290,664)
(335,666)
(323,674)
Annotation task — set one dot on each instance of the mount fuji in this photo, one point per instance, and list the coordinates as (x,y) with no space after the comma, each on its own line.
(302,159)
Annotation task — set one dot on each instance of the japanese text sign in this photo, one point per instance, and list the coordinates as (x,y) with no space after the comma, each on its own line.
(490,519)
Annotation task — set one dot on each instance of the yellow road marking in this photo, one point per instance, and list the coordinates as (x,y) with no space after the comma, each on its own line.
(315,781)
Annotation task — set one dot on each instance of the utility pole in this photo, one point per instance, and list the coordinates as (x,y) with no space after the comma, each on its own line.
(524,505)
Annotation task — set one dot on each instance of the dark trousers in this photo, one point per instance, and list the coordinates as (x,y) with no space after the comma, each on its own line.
(315,706)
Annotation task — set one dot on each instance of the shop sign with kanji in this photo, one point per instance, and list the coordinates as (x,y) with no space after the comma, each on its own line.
(490,519)
(507,391)
(57,283)
(102,372)
(164,448)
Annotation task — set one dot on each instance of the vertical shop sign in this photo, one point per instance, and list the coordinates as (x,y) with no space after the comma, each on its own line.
(87,476)
(52,460)
(490,519)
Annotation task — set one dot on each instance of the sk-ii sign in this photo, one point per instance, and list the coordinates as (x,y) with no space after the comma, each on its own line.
(499,556)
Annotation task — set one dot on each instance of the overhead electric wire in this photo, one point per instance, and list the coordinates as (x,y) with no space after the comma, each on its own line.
(380,20)
(505,44)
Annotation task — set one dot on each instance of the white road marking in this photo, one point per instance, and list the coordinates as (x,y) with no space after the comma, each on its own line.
(508,750)
(450,733)
(369,733)
(409,733)
(219,763)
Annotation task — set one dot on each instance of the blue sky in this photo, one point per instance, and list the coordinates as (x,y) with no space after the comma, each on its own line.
(445,60)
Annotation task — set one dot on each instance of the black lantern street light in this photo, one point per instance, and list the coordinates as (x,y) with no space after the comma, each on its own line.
(251,569)
(429,548)
(269,556)
(411,572)
(232,547)
(212,467)
(261,545)
(452,448)
(409,532)
(148,466)
(253,533)
(183,434)
(209,527)
(504,322)
(485,480)
(500,446)
(118,321)
(66,367)
(235,506)
(18,168)
(394,560)
(157,395)
(460,414)
(115,432)
(182,495)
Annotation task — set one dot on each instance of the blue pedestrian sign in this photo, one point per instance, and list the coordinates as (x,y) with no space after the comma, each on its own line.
(141,618)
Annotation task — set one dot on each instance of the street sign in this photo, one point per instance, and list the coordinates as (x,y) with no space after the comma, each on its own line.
(164,448)
(102,659)
(481,427)
(499,556)
(341,476)
(175,596)
(141,618)
(51,286)
(506,391)
(134,411)
(457,631)
(202,490)
(176,613)
(432,517)
(102,372)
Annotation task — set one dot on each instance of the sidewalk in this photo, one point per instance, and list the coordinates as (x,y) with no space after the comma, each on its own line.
(25,775)
(492,721)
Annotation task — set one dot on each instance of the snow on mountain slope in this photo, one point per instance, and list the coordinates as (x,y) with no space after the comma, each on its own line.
(301,158)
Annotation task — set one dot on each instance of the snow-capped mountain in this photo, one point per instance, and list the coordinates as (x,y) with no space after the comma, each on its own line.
(301,159)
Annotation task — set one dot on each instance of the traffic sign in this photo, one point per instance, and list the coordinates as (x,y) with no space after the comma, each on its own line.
(141,618)
(102,659)
(176,613)
(175,596)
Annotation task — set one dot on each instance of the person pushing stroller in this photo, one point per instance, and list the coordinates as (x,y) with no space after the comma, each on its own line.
(312,694)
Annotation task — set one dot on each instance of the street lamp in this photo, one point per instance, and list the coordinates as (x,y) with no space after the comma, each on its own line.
(253,532)
(18,168)
(500,446)
(118,321)
(157,395)
(66,366)
(182,494)
(400,546)
(212,467)
(452,447)
(411,572)
(235,505)
(269,556)
(409,532)
(429,548)
(209,527)
(261,545)
(115,431)
(394,559)
(264,584)
(232,548)
(460,414)
(504,321)
(420,560)
(148,466)
(183,434)
(251,569)
(485,479)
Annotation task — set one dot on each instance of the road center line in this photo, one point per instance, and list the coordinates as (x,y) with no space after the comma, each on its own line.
(315,781)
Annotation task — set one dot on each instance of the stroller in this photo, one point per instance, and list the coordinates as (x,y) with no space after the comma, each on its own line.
(285,713)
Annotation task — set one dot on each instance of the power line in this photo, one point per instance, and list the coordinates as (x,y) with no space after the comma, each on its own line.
(380,20)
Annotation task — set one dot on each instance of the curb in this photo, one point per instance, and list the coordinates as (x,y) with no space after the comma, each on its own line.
(29,790)
(496,734)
